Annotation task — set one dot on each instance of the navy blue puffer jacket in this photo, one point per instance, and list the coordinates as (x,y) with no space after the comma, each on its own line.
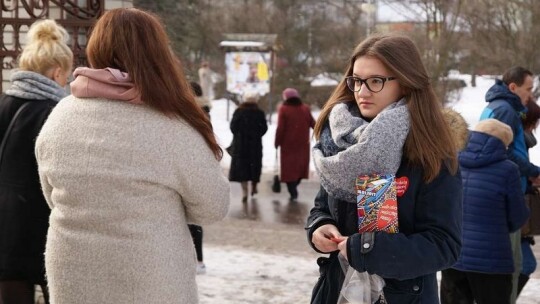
(493,205)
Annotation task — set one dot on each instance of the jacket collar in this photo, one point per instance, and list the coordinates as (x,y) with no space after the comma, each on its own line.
(500,91)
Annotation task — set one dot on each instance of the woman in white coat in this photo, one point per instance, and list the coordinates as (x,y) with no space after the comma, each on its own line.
(125,163)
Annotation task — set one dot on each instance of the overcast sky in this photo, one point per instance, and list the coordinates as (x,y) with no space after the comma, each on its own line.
(396,11)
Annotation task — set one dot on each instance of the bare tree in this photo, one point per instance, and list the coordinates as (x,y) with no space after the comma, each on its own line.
(439,40)
(503,33)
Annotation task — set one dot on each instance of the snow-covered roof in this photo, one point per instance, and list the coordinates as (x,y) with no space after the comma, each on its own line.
(248,42)
(241,43)
(323,80)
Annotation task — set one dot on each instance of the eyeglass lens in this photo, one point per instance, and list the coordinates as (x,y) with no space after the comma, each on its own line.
(374,84)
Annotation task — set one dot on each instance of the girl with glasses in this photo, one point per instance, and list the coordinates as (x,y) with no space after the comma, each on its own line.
(384,118)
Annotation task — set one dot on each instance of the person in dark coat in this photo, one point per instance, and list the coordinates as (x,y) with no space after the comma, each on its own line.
(530,123)
(37,86)
(196,230)
(248,126)
(493,207)
(292,136)
(200,99)
(375,122)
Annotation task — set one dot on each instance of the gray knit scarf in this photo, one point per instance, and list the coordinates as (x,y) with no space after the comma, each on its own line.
(350,146)
(32,85)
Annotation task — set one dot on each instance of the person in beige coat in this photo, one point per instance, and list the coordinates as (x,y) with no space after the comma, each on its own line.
(125,163)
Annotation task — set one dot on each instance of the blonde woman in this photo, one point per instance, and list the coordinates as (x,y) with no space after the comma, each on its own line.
(36,87)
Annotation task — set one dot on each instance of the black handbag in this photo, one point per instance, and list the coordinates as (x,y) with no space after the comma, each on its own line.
(331,278)
(276,183)
(234,143)
(8,130)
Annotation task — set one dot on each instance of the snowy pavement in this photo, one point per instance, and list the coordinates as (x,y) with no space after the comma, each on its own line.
(243,276)
(235,275)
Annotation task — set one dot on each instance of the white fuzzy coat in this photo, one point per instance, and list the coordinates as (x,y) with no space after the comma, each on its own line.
(123,181)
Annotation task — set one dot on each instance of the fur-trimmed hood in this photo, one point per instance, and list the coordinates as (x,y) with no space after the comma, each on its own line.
(458,126)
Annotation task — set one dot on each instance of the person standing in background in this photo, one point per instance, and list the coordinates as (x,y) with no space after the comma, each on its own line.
(292,136)
(36,87)
(248,125)
(530,123)
(200,99)
(125,163)
(197,235)
(196,230)
(205,80)
(493,207)
(507,99)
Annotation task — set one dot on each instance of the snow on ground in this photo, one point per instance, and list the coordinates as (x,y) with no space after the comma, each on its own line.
(241,276)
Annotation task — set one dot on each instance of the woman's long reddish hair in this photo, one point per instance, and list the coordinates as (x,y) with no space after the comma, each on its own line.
(135,42)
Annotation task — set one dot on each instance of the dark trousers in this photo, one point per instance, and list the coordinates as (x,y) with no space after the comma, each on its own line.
(20,292)
(292,188)
(197,235)
(461,287)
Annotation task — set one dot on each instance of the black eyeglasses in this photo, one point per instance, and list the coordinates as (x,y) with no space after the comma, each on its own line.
(373,84)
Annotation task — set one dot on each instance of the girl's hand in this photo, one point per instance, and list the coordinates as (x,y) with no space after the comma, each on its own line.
(342,247)
(326,238)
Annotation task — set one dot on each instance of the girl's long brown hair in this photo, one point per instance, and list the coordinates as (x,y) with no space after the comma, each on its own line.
(429,143)
(135,42)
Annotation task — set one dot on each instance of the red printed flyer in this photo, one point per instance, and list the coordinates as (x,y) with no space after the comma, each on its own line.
(377,203)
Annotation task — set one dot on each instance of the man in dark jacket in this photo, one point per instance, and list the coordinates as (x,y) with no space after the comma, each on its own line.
(507,99)
(506,103)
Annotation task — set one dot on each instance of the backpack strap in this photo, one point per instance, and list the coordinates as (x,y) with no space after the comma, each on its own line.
(8,130)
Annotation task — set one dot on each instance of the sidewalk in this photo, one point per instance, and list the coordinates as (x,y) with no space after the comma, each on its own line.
(255,262)
(259,253)
(236,275)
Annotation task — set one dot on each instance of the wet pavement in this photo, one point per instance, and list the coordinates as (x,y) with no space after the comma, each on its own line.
(270,207)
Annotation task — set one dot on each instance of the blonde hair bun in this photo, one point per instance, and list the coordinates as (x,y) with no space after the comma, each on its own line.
(46,30)
(46,48)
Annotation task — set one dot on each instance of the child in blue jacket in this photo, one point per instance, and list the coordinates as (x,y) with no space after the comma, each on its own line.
(493,207)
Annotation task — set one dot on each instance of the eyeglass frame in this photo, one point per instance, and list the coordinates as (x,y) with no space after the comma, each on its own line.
(364,81)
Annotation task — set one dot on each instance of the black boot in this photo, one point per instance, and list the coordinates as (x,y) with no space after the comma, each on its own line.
(291,187)
(522,280)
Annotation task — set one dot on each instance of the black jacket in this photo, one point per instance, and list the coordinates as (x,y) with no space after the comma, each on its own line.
(24,213)
(429,237)
(248,126)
